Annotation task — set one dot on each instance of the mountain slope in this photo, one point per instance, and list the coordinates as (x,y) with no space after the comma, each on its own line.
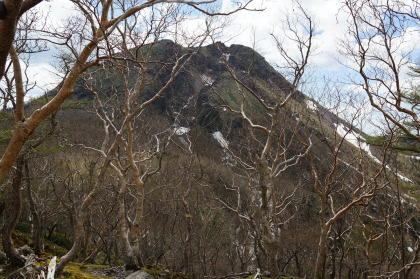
(204,208)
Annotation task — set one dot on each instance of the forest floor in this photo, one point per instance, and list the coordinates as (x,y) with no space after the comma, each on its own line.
(58,245)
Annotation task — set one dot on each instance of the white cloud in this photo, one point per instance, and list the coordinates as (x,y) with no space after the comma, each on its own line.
(44,76)
(58,11)
(249,27)
(226,5)
(40,71)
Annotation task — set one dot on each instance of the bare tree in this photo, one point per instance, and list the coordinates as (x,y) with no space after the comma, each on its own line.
(145,70)
(273,142)
(340,182)
(380,46)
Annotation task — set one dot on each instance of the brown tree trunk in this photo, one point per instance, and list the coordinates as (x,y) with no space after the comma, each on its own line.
(51,230)
(12,215)
(9,16)
(27,127)
(91,258)
(78,239)
(272,254)
(7,29)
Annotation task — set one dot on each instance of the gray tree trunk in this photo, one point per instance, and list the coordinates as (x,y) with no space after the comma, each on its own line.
(12,214)
(38,239)
(322,254)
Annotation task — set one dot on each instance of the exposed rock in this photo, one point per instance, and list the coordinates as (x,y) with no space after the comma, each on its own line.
(140,274)
(117,272)
(25,250)
(114,271)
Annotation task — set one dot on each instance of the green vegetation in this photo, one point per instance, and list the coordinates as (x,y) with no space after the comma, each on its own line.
(82,271)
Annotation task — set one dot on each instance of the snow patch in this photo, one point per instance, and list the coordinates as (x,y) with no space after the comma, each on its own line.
(227,158)
(410,198)
(188,102)
(311,105)
(181,131)
(208,80)
(416,158)
(403,177)
(220,139)
(355,139)
(409,249)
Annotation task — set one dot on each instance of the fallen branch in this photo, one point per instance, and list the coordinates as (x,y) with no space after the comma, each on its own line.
(232,275)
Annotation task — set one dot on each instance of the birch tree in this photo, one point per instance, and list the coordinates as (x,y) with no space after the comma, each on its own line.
(342,183)
(271,137)
(132,79)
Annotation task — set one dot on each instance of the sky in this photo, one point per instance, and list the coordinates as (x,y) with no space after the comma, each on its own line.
(250,28)
(260,24)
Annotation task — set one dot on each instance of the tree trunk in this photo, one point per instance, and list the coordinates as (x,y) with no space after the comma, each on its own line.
(133,260)
(297,263)
(79,231)
(322,254)
(26,128)
(272,253)
(92,256)
(86,241)
(9,18)
(333,258)
(38,245)
(129,232)
(51,230)
(12,215)
(77,242)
